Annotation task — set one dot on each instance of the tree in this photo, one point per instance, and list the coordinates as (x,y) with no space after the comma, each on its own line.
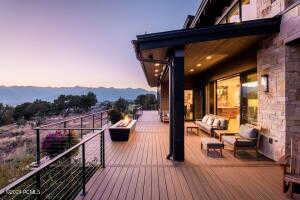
(147,101)
(121,105)
(6,114)
(87,101)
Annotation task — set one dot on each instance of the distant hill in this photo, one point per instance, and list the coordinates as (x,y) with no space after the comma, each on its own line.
(15,95)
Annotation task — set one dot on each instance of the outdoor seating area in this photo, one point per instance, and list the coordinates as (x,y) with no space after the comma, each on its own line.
(209,123)
(138,169)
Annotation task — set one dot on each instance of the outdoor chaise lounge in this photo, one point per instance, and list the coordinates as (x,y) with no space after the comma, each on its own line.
(248,138)
(212,122)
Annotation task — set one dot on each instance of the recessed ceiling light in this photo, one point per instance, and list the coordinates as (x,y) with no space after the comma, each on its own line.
(156,64)
(191,70)
(209,57)
(199,65)
(156,75)
(156,70)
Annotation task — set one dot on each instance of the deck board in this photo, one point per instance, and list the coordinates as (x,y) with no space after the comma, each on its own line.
(138,169)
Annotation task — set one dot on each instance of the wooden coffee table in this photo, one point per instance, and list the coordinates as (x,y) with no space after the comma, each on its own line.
(190,128)
(220,133)
(211,143)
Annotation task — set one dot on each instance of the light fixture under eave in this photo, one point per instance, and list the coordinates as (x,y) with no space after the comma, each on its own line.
(156,70)
(156,64)
(209,57)
(199,65)
(191,70)
(156,75)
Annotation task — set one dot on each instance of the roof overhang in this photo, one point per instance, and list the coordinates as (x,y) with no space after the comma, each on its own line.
(151,49)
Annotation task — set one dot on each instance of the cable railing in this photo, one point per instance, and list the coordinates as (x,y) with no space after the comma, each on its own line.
(137,112)
(54,138)
(68,153)
(64,176)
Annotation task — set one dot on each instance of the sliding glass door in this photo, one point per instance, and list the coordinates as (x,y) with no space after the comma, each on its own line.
(228,100)
(188,105)
(249,104)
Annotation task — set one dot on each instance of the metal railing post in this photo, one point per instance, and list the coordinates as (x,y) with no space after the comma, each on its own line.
(83,170)
(101,120)
(93,122)
(69,138)
(65,124)
(102,148)
(81,126)
(38,148)
(38,162)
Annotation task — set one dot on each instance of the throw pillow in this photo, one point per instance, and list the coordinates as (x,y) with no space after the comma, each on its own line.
(210,121)
(248,132)
(216,123)
(205,118)
(223,124)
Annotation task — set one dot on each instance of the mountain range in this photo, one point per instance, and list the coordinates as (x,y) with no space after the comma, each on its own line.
(14,95)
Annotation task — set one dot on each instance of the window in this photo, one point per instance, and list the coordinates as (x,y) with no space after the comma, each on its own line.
(234,14)
(188,105)
(249,99)
(212,97)
(248,10)
(243,10)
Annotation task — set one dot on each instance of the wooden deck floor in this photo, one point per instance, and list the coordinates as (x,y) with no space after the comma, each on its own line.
(138,170)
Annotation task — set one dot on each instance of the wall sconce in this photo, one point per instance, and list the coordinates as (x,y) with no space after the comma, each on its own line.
(265,83)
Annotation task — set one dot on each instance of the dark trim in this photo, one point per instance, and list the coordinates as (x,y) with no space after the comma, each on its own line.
(198,13)
(188,21)
(177,94)
(181,37)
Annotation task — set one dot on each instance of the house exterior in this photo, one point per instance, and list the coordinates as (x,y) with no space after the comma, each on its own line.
(235,58)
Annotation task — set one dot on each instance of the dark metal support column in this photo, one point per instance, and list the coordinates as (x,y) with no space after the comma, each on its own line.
(177,94)
(171,122)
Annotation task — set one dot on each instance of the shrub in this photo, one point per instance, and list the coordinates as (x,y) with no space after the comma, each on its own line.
(114,116)
(56,143)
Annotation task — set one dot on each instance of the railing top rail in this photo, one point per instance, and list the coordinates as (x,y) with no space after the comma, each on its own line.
(38,169)
(53,129)
(74,118)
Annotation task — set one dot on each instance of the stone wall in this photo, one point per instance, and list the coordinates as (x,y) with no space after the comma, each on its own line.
(291,29)
(271,109)
(269,8)
(280,107)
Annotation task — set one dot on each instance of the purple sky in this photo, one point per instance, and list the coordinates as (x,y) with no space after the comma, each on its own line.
(80,42)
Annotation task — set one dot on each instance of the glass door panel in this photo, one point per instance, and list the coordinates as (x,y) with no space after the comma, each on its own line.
(249,99)
(228,100)
(188,105)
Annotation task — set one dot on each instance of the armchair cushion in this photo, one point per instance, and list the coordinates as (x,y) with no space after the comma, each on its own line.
(240,142)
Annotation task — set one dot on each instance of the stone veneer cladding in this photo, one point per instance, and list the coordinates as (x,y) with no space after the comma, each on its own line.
(279,109)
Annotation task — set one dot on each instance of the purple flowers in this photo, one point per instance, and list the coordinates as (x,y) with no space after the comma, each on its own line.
(55,143)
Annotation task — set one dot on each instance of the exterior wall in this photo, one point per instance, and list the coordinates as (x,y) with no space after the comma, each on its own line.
(291,27)
(279,108)
(269,8)
(164,97)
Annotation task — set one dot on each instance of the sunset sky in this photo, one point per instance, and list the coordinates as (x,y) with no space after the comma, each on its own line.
(80,42)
